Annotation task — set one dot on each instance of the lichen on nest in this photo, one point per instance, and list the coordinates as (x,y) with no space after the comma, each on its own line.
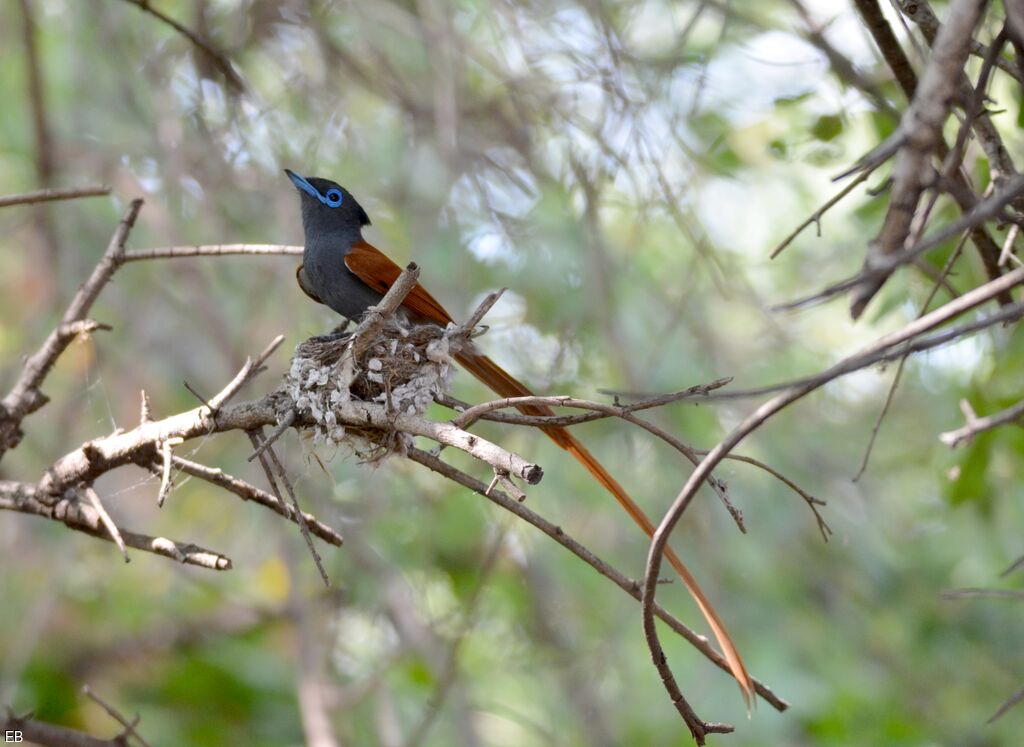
(403,367)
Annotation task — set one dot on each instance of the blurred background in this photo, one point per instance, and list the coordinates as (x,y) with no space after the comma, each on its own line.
(625,169)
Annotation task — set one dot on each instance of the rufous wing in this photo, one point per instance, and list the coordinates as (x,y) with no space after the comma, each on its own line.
(372,266)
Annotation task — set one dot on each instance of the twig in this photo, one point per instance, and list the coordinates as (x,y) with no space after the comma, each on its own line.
(129,726)
(1007,252)
(987,209)
(29,499)
(891,394)
(922,127)
(213,250)
(922,14)
(1010,702)
(376,316)
(815,217)
(286,422)
(25,396)
(975,425)
(248,492)
(270,457)
(989,593)
(218,58)
(247,372)
(51,195)
(559,535)
(106,268)
(481,311)
(165,473)
(108,523)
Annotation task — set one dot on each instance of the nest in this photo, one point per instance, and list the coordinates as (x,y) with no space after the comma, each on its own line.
(404,367)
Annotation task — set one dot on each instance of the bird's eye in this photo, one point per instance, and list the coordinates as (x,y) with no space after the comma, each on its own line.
(333,198)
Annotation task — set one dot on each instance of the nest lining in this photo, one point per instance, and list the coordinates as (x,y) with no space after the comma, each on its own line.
(404,367)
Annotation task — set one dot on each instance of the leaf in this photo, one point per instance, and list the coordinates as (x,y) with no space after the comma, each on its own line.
(827,127)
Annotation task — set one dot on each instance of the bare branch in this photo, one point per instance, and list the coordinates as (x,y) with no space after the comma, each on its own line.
(129,726)
(218,58)
(270,464)
(921,128)
(51,195)
(213,250)
(248,492)
(50,735)
(975,425)
(106,268)
(25,396)
(28,499)
(108,523)
(1009,703)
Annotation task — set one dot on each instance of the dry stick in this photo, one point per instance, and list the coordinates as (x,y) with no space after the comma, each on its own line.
(988,209)
(165,472)
(245,491)
(247,372)
(129,726)
(108,265)
(108,523)
(922,14)
(219,58)
(815,217)
(1010,702)
(51,195)
(27,499)
(488,411)
(256,436)
(976,426)
(1007,253)
(865,357)
(375,317)
(921,130)
(214,250)
(25,396)
(890,395)
(841,66)
(286,422)
(559,535)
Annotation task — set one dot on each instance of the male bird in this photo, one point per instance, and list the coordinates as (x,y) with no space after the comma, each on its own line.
(341,270)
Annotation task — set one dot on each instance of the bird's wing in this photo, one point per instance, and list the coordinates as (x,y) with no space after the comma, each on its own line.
(300,275)
(371,266)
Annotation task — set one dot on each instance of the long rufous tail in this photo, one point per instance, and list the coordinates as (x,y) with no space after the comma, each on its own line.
(502,383)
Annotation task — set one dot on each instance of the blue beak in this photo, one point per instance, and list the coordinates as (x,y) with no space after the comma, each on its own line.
(302,184)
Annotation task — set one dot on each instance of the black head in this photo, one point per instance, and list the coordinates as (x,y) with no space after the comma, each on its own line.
(328,206)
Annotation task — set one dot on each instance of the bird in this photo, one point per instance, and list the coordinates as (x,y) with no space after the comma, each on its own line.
(343,271)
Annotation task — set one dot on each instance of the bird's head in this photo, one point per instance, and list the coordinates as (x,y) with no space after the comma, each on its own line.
(327,206)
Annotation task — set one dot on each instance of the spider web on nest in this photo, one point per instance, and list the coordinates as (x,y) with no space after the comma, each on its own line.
(403,367)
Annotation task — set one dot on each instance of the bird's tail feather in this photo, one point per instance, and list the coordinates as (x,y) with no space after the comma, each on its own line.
(501,382)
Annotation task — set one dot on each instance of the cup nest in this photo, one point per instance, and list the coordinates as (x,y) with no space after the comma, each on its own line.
(403,367)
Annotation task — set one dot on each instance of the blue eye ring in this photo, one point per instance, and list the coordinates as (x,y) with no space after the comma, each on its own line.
(333,198)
